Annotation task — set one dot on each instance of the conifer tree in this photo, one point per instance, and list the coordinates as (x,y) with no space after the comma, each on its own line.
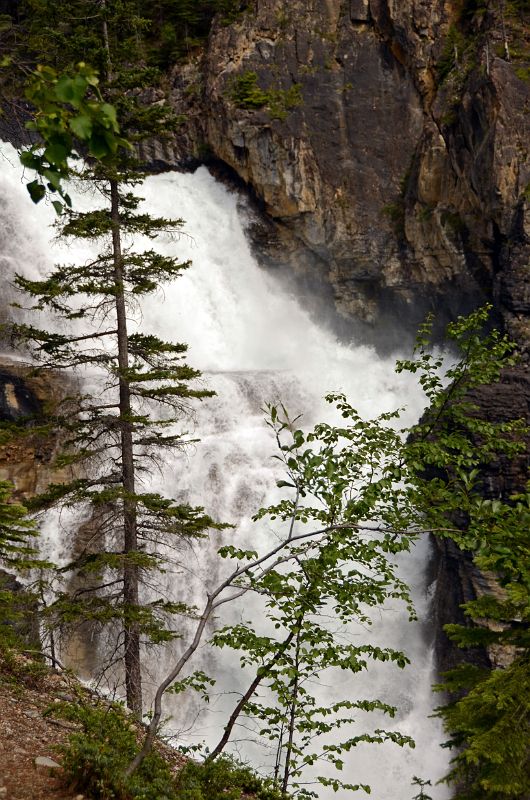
(18,554)
(17,531)
(111,440)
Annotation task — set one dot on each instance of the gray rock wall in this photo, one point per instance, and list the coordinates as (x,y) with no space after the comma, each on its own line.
(405,189)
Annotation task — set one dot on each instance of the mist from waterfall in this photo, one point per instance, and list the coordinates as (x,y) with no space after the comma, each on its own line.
(254,344)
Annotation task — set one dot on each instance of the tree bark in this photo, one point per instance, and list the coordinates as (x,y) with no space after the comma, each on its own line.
(133,679)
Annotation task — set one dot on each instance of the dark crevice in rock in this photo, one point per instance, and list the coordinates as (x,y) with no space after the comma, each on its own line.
(499,242)
(16,399)
(452,571)
(359,12)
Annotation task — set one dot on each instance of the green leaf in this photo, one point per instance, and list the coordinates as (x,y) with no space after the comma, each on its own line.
(64,90)
(57,153)
(30,160)
(98,147)
(71,90)
(81,126)
(109,112)
(36,191)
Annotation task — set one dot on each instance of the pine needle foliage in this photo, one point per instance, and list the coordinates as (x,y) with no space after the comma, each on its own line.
(111,443)
(159,33)
(18,554)
(17,532)
(490,731)
(94,758)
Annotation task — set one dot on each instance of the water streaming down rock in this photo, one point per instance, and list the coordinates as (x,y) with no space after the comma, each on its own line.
(254,344)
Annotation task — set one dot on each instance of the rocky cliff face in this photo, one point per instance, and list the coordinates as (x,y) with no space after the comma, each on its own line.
(385,139)
(457,579)
(26,459)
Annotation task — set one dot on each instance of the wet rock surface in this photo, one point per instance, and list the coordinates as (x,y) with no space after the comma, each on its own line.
(17,400)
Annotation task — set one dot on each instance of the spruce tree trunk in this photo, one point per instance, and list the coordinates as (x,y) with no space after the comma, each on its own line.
(133,679)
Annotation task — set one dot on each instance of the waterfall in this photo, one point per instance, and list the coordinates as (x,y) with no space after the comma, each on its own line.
(254,344)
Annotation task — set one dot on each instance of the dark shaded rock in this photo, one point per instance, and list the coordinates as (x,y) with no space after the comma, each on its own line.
(501,402)
(457,579)
(13,119)
(359,10)
(26,461)
(325,171)
(403,191)
(16,398)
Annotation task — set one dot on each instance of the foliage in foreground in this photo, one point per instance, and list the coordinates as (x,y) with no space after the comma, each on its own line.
(453,449)
(223,779)
(16,669)
(18,553)
(371,490)
(112,443)
(94,761)
(95,758)
(490,724)
(490,728)
(357,493)
(16,532)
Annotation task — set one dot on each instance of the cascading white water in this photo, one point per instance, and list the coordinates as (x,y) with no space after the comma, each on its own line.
(255,344)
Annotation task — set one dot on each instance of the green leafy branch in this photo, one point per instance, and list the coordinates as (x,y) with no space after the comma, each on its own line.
(71,116)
